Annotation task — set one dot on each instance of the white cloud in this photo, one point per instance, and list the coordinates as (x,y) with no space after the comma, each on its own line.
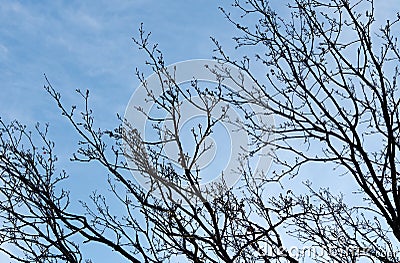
(3,51)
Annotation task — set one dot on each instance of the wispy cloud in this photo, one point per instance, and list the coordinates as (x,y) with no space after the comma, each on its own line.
(3,51)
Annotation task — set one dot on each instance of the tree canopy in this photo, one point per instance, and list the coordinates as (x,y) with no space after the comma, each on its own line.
(330,72)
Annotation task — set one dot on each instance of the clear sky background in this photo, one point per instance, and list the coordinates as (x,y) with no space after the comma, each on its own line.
(87,45)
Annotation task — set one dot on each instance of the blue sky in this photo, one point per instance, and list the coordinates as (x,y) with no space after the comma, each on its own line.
(88,45)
